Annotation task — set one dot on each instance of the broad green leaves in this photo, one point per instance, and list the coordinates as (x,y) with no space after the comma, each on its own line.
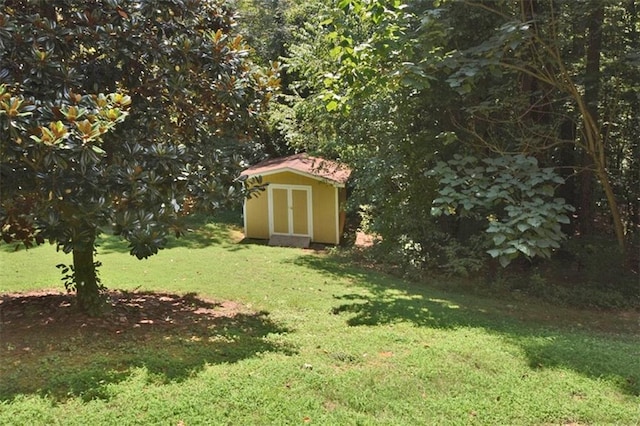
(515,197)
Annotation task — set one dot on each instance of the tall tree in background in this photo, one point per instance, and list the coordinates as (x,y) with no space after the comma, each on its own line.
(275,29)
(70,162)
(592,85)
(532,42)
(393,88)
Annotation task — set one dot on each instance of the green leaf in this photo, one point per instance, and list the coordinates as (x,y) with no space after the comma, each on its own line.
(98,150)
(504,261)
(523,248)
(543,243)
(494,252)
(499,239)
(534,221)
(345,4)
(332,106)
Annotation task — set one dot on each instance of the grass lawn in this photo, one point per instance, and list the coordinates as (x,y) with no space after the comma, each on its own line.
(307,338)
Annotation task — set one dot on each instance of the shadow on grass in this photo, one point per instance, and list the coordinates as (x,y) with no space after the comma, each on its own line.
(548,335)
(47,348)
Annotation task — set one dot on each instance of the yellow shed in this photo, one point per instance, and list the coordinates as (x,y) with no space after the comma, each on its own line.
(304,200)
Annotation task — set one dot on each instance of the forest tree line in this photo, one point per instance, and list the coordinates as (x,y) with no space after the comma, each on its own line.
(515,122)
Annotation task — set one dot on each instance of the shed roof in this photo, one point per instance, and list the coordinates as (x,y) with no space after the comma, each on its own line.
(314,167)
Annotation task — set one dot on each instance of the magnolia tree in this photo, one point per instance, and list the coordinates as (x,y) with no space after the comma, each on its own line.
(119,114)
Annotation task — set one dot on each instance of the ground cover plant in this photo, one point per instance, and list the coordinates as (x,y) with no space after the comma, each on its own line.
(216,330)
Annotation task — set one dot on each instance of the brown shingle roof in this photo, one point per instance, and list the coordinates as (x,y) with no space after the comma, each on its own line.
(313,166)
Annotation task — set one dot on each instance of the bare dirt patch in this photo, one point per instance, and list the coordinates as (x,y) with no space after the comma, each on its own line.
(126,311)
(364,240)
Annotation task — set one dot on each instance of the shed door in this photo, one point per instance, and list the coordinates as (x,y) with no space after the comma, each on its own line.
(290,210)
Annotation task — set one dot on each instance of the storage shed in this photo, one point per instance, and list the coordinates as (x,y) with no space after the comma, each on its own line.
(303,201)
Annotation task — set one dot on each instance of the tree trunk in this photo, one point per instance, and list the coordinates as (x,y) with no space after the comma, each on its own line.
(591,97)
(618,226)
(566,160)
(88,288)
(634,168)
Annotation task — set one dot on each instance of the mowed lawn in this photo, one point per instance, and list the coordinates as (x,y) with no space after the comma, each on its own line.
(315,340)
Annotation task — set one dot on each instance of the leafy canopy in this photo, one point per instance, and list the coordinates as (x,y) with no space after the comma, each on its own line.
(72,70)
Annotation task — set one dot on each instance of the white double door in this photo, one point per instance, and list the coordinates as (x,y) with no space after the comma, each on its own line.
(290,210)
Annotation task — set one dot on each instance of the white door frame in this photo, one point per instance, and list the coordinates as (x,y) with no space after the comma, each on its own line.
(289,188)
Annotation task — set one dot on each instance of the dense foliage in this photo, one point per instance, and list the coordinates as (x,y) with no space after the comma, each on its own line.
(396,89)
(70,162)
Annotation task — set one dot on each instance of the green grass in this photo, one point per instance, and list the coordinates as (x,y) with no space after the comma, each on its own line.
(322,341)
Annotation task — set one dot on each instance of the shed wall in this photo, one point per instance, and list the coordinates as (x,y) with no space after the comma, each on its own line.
(323,197)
